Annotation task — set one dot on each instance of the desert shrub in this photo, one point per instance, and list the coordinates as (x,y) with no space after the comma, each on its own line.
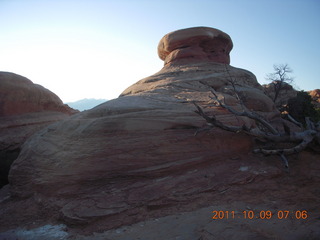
(301,107)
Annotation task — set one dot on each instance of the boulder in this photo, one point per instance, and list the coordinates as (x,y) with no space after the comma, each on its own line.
(195,44)
(19,95)
(25,108)
(137,157)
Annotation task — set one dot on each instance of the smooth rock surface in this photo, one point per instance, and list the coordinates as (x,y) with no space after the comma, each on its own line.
(19,95)
(25,108)
(136,158)
(274,191)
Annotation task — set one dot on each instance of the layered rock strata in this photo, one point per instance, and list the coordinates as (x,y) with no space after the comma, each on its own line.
(199,44)
(137,156)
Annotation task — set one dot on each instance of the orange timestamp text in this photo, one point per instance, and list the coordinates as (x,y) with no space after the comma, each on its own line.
(263,214)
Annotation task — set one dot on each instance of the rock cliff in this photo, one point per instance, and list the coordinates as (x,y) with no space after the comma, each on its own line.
(136,157)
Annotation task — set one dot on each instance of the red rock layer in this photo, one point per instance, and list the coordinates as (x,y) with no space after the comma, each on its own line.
(191,45)
(137,156)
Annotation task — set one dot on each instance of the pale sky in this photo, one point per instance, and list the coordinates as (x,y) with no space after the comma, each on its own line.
(97,48)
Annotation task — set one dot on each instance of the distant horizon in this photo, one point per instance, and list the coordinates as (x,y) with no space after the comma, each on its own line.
(96,49)
(88,99)
(85,103)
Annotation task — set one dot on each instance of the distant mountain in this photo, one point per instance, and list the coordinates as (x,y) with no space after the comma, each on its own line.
(85,104)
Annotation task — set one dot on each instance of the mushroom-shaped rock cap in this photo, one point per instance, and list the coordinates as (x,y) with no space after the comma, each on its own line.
(197,44)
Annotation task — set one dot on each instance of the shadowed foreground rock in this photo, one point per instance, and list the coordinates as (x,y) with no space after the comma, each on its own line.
(136,158)
(25,108)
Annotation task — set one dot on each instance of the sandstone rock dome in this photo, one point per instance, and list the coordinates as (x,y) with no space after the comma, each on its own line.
(136,157)
(19,95)
(25,108)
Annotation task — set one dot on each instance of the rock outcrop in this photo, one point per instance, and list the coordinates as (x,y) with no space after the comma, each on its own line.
(287,92)
(19,95)
(191,45)
(24,109)
(315,95)
(137,157)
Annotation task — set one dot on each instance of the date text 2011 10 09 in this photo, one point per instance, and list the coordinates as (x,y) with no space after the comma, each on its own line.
(249,214)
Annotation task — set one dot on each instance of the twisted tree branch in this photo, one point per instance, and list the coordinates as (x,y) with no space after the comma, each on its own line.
(269,134)
(252,115)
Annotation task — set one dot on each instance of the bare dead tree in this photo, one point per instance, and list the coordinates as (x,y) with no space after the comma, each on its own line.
(279,77)
(263,130)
